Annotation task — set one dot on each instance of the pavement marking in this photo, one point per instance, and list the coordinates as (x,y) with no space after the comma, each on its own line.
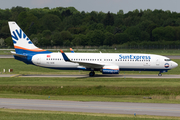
(17,75)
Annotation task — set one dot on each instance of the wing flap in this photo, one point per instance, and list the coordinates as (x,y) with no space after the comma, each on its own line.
(89,64)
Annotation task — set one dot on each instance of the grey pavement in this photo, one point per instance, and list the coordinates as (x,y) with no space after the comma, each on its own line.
(93,107)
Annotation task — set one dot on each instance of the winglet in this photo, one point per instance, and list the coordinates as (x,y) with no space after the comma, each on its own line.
(64,56)
(72,51)
(61,51)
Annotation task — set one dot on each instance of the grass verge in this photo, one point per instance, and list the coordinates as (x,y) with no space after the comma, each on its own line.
(15,114)
(93,89)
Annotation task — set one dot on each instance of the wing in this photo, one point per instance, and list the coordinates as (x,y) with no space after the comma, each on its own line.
(86,64)
(72,51)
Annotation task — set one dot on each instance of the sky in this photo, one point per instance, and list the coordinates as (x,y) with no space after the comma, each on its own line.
(97,5)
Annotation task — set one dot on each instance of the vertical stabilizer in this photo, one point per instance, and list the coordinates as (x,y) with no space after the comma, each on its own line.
(22,43)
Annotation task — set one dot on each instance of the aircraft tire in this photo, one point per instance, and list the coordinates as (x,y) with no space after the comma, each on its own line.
(159,74)
(91,74)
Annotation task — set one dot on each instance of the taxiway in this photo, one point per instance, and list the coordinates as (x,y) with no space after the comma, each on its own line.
(93,107)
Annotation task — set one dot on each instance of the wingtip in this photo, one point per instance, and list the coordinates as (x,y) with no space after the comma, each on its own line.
(61,51)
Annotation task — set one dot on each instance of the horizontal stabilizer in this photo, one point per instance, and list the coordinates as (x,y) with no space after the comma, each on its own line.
(19,55)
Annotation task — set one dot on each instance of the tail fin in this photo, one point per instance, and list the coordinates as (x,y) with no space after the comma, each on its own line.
(22,43)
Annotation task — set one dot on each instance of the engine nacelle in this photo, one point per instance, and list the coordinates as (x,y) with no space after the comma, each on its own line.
(110,70)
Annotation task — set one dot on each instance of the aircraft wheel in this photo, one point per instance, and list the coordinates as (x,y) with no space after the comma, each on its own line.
(159,74)
(91,74)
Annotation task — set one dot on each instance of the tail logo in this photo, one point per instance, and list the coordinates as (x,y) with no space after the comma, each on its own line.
(17,35)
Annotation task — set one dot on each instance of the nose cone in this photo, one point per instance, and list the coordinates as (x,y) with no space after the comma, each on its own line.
(174,64)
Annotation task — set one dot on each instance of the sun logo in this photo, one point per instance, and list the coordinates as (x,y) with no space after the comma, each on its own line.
(19,36)
(166,65)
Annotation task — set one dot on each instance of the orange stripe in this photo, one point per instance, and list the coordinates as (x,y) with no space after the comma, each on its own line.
(61,51)
(35,50)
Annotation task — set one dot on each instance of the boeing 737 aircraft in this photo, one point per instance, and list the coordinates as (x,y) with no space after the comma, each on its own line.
(107,63)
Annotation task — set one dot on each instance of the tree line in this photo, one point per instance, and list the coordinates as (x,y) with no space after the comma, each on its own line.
(69,27)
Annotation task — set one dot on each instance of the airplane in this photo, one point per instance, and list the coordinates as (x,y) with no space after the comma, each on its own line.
(107,63)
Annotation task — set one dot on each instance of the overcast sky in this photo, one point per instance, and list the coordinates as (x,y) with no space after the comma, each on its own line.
(96,5)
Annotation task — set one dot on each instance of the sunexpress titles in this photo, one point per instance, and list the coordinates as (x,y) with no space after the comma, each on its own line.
(136,57)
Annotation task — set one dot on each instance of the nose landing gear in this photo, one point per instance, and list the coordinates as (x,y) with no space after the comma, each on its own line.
(163,71)
(160,74)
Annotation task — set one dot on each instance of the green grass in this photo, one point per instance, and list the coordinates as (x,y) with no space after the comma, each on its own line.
(92,89)
(22,68)
(110,82)
(13,114)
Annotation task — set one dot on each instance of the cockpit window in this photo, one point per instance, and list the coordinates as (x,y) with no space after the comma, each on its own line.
(167,59)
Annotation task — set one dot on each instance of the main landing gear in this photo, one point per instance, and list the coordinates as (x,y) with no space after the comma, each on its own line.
(159,74)
(91,74)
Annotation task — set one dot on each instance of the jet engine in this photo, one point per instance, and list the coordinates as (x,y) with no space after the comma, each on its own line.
(110,70)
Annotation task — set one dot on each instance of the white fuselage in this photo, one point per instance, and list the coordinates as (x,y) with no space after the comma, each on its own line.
(125,61)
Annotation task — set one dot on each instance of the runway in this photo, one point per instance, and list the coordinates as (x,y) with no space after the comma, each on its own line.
(93,107)
(11,56)
(96,76)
